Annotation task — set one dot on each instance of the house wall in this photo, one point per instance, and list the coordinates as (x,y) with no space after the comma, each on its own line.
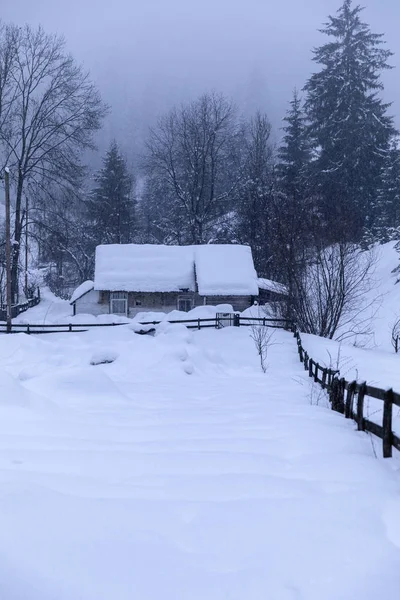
(90,304)
(97,303)
(239,303)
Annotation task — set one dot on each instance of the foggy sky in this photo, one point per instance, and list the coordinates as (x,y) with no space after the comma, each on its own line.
(146,55)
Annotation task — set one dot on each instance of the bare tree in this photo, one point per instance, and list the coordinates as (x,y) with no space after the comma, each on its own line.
(49,110)
(191,158)
(396,335)
(262,337)
(331,291)
(255,191)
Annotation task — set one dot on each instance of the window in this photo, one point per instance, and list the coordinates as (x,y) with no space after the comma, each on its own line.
(138,303)
(119,303)
(185,304)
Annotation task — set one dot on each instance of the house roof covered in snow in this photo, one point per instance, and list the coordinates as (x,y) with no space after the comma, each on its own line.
(81,290)
(218,269)
(272,286)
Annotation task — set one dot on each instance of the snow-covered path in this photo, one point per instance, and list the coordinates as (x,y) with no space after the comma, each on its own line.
(136,480)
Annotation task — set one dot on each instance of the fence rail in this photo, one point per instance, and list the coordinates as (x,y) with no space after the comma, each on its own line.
(234,319)
(347,397)
(17,309)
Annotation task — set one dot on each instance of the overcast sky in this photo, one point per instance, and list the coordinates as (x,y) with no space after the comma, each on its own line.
(145,55)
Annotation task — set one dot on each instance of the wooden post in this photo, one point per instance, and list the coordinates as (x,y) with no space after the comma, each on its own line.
(198,323)
(342,389)
(349,400)
(306,361)
(316,373)
(324,374)
(310,364)
(333,393)
(8,248)
(360,407)
(387,424)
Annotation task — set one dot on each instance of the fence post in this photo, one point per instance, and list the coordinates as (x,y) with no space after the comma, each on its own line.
(306,361)
(236,320)
(198,323)
(70,327)
(316,373)
(387,424)
(310,364)
(324,373)
(349,399)
(360,407)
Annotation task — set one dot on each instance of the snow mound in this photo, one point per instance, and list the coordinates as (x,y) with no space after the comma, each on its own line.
(105,356)
(81,290)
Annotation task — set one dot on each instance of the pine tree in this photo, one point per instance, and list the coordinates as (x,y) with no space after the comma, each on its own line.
(384,222)
(111,206)
(350,126)
(294,152)
(293,214)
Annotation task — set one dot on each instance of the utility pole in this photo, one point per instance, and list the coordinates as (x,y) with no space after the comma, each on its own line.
(26,247)
(8,247)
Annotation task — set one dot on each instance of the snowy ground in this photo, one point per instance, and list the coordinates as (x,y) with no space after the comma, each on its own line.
(182,472)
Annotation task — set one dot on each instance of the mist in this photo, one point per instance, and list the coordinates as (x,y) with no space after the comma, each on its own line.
(147,56)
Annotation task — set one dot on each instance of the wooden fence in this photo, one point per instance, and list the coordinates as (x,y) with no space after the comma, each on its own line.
(347,397)
(217,322)
(17,309)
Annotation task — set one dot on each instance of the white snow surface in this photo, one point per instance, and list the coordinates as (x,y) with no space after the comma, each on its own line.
(225,269)
(144,268)
(81,290)
(181,471)
(219,268)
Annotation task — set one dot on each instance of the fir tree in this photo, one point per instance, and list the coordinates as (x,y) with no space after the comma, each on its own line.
(384,222)
(111,206)
(349,122)
(294,152)
(293,214)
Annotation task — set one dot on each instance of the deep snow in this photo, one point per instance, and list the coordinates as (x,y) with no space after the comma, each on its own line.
(180,471)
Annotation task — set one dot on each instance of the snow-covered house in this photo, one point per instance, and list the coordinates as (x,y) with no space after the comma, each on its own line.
(131,278)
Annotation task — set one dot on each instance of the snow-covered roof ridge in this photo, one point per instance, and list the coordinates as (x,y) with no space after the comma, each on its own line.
(220,269)
(81,290)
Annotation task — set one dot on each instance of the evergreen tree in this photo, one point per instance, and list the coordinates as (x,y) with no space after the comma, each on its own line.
(294,152)
(292,217)
(349,123)
(384,222)
(111,206)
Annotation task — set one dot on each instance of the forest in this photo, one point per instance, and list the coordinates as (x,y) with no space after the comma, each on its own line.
(308,206)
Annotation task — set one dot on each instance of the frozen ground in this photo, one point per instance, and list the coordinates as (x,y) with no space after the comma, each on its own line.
(181,472)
